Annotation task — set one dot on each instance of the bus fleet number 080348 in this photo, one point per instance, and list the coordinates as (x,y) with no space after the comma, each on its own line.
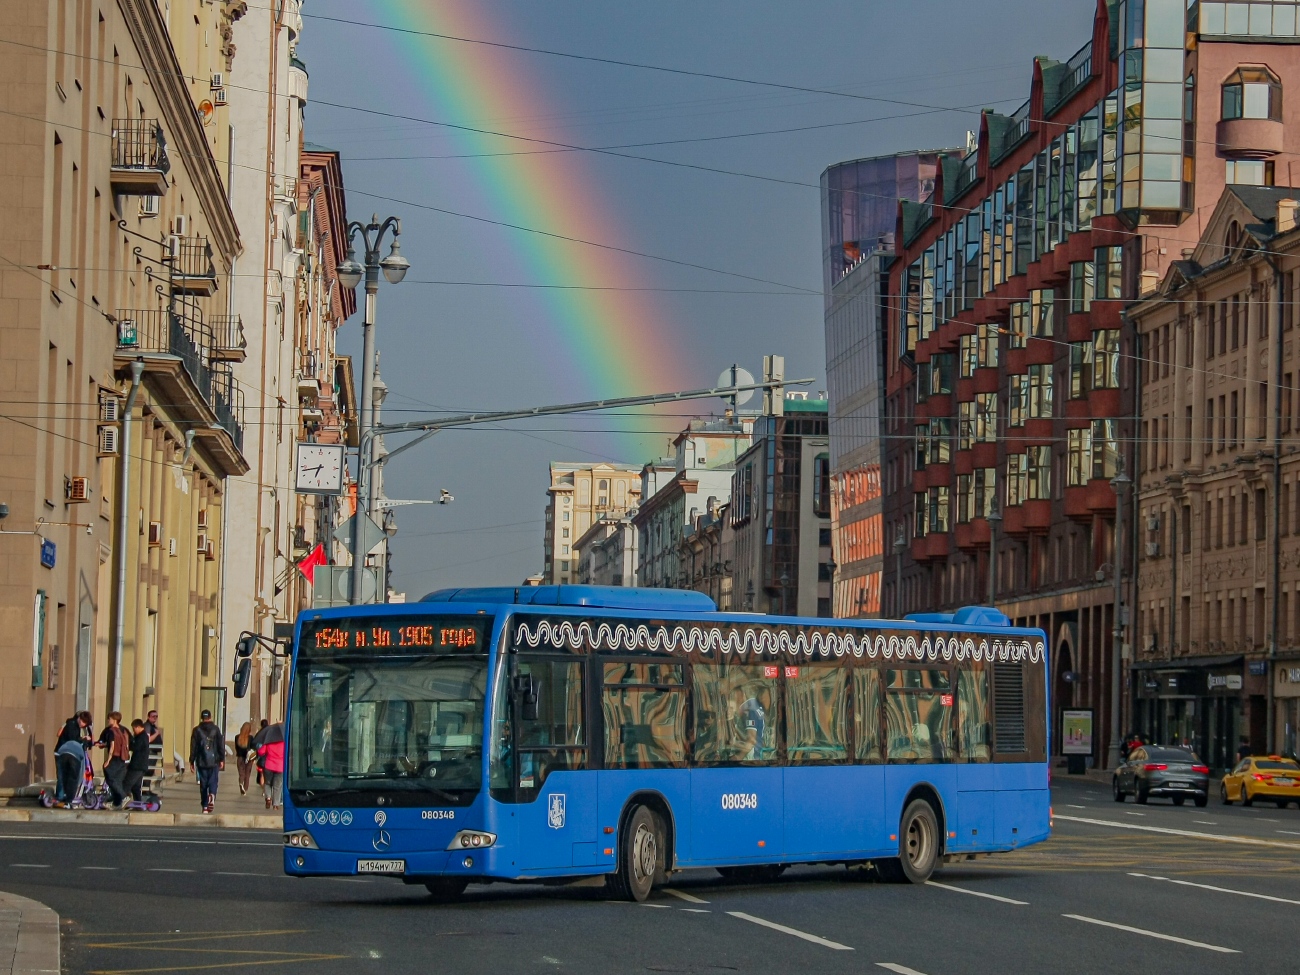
(740,800)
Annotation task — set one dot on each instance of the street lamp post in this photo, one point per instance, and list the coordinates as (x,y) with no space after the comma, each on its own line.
(1119,483)
(350,274)
(994,518)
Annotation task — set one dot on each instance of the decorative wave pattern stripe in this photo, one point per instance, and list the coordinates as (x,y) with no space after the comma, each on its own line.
(932,648)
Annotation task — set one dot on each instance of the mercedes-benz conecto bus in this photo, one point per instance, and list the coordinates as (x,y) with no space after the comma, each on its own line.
(555,733)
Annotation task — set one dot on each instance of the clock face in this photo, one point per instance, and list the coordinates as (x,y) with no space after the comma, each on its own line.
(320,468)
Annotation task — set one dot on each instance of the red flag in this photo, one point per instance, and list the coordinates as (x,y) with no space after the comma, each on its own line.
(308,565)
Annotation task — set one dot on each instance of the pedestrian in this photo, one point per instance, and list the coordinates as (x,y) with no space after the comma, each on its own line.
(138,766)
(1243,750)
(245,755)
(257,740)
(207,758)
(117,751)
(70,756)
(270,753)
(152,730)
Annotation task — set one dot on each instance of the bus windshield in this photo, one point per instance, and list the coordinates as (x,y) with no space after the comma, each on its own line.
(387,718)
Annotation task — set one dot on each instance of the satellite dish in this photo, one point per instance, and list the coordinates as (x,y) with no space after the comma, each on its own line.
(736,376)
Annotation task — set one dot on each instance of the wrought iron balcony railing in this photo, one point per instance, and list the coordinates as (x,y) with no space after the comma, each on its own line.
(140,163)
(230,345)
(193,272)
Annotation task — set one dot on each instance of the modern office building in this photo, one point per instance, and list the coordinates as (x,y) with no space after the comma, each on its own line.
(859,212)
(1010,381)
(779,514)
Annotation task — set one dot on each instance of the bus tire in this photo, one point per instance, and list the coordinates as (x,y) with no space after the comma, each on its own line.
(640,859)
(444,890)
(918,845)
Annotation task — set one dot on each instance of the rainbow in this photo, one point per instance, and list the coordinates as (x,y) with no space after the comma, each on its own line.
(611,342)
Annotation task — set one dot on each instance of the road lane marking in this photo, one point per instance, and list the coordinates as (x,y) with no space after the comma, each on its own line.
(1190,833)
(1134,814)
(1221,890)
(1289,832)
(691,898)
(34,866)
(1070,805)
(169,870)
(232,873)
(792,931)
(899,969)
(99,868)
(1206,822)
(695,910)
(1153,934)
(975,893)
(53,838)
(662,906)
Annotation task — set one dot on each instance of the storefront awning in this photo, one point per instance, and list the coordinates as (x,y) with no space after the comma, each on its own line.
(1189,663)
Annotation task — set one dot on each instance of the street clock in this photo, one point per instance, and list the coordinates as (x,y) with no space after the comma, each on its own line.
(320,468)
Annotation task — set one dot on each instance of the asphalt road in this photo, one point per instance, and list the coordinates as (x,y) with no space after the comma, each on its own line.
(1119,888)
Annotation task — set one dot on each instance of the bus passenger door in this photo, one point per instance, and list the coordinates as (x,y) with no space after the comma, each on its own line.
(557,812)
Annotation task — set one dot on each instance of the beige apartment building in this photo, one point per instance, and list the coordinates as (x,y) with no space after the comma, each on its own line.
(579,495)
(1217,605)
(117,243)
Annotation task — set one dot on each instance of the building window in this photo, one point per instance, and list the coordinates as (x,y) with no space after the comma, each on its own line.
(1015,479)
(1105,358)
(986,417)
(1038,472)
(975,494)
(1252,93)
(1249,172)
(565,533)
(1109,274)
(1082,286)
(1017,400)
(822,485)
(1080,369)
(1040,392)
(965,425)
(1041,306)
(1105,449)
(566,516)
(1078,457)
(922,524)
(564,550)
(564,565)
(1019,329)
(939,513)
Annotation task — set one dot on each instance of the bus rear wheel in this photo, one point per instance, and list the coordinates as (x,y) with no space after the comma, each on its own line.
(641,857)
(443,890)
(918,846)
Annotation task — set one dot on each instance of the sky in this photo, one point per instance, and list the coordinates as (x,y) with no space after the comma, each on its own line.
(543,272)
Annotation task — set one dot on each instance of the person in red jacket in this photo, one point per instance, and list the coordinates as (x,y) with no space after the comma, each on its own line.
(270,755)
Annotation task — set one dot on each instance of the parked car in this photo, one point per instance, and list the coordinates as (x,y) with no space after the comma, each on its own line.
(1154,771)
(1262,777)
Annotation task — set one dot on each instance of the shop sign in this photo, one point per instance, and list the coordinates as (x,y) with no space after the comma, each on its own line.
(1228,682)
(1288,675)
(1076,732)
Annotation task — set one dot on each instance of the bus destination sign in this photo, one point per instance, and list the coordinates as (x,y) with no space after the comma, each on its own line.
(398,634)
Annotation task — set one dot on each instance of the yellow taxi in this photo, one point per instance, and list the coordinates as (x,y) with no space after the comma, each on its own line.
(1269,777)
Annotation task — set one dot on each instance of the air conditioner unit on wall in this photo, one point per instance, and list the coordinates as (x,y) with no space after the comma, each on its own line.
(76,489)
(203,543)
(108,440)
(218,80)
(109,409)
(1153,523)
(219,97)
(171,547)
(1153,549)
(203,519)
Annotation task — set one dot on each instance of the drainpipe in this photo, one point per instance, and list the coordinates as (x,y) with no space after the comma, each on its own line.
(123,523)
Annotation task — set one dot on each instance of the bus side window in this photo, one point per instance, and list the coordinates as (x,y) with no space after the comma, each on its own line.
(974,726)
(816,714)
(866,714)
(735,716)
(918,716)
(644,706)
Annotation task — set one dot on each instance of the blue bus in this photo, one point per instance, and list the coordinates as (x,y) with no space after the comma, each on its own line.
(554,733)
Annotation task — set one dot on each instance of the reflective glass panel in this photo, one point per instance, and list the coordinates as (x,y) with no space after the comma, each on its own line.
(866,714)
(816,714)
(733,713)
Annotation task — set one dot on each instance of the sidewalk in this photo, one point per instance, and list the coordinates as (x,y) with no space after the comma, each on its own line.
(180,807)
(29,937)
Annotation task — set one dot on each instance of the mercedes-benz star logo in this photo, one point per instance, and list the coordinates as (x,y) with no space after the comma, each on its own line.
(382,840)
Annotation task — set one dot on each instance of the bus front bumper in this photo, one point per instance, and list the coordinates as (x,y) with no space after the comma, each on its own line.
(426,863)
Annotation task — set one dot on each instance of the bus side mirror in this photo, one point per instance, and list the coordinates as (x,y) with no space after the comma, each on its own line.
(244,649)
(525,689)
(243,669)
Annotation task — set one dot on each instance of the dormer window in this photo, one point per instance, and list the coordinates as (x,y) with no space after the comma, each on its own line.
(1252,93)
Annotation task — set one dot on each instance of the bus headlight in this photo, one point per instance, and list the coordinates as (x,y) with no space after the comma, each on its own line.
(300,839)
(471,839)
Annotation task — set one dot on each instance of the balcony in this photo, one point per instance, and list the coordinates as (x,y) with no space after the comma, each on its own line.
(180,333)
(229,344)
(1249,138)
(140,164)
(193,272)
(228,404)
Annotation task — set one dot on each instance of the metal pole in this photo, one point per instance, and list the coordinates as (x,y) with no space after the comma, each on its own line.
(993,518)
(1270,701)
(1119,482)
(123,525)
(366,444)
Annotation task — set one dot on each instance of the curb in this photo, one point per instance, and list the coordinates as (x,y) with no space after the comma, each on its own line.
(29,937)
(111,817)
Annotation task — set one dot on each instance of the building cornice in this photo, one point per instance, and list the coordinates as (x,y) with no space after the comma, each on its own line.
(182,125)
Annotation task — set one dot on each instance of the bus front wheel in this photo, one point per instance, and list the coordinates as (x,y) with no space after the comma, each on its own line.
(641,855)
(918,846)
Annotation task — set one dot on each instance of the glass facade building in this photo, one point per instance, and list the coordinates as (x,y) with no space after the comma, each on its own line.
(859,213)
(1010,369)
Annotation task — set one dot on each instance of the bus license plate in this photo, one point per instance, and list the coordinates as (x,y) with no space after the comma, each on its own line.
(381,866)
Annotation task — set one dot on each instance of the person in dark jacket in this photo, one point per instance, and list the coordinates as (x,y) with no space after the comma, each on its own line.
(138,767)
(117,750)
(70,755)
(207,758)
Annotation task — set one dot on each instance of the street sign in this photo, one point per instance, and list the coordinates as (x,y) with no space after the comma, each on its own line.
(371,534)
(334,583)
(48,553)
